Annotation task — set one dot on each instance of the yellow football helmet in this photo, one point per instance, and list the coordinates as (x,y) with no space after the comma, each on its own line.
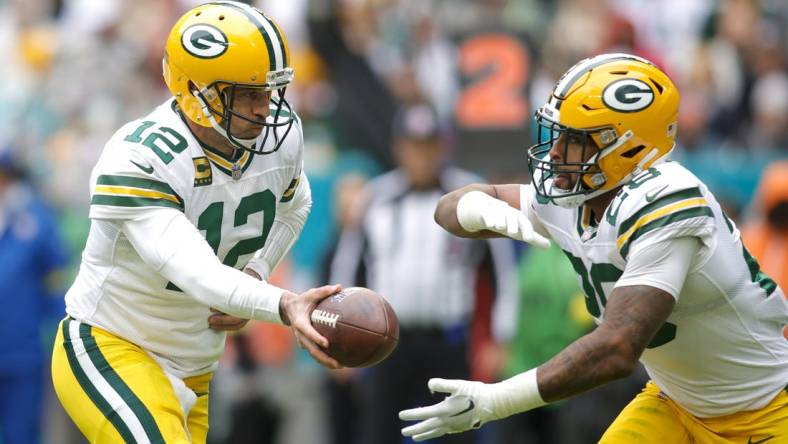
(218,47)
(620,104)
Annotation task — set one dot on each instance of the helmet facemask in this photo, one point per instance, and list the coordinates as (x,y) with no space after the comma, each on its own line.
(544,170)
(623,107)
(218,100)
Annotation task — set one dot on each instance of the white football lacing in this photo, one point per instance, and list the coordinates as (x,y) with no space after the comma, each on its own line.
(324,317)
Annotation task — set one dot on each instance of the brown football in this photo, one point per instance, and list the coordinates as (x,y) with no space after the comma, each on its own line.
(360,326)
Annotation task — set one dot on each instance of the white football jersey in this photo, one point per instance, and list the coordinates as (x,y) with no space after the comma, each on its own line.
(154,163)
(722,349)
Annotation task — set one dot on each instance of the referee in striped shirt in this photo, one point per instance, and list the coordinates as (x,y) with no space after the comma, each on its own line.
(433,280)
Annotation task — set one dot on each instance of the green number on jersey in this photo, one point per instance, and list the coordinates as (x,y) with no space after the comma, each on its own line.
(643,177)
(603,273)
(175,142)
(592,280)
(264,201)
(756,275)
(135,136)
(612,214)
(588,289)
(211,219)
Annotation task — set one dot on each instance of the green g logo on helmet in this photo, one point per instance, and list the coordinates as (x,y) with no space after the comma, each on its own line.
(201,70)
(628,95)
(204,41)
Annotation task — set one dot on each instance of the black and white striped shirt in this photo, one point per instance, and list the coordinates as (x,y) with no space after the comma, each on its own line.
(427,274)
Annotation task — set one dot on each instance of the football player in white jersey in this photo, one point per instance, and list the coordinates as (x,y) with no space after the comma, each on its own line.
(207,184)
(663,269)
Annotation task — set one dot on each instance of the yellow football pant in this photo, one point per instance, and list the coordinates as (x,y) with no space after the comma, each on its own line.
(653,418)
(115,392)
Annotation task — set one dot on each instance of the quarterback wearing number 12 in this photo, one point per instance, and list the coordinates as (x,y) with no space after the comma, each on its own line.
(662,267)
(208,183)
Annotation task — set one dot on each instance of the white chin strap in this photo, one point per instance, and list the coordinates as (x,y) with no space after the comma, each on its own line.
(574,200)
(206,111)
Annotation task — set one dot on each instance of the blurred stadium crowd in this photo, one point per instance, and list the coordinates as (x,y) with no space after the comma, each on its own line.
(76,70)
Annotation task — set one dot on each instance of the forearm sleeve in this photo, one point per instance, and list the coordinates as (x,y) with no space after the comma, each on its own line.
(287,226)
(168,242)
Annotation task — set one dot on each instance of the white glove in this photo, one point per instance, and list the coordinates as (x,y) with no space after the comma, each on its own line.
(478,211)
(464,409)
(471,404)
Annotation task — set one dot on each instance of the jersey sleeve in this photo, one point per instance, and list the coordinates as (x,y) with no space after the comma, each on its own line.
(297,167)
(662,265)
(286,228)
(127,182)
(661,209)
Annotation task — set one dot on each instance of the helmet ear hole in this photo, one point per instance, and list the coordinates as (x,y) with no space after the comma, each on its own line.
(657,85)
(633,152)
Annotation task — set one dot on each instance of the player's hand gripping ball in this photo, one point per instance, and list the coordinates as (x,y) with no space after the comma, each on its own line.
(360,326)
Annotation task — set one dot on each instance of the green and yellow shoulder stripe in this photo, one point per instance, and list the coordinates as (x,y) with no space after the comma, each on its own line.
(129,191)
(289,193)
(661,213)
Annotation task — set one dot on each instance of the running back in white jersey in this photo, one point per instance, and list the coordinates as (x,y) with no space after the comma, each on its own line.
(152,164)
(722,349)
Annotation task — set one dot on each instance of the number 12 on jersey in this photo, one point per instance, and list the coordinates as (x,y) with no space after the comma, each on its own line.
(169,137)
(212,217)
(211,221)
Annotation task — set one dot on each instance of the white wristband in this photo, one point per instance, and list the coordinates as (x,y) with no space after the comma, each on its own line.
(516,394)
(470,208)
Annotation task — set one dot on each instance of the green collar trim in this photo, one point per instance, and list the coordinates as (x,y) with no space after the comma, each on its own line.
(224,163)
